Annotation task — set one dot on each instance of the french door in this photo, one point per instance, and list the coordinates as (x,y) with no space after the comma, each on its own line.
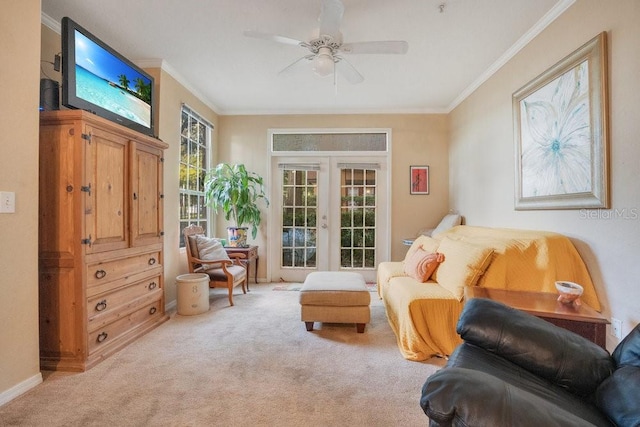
(329,214)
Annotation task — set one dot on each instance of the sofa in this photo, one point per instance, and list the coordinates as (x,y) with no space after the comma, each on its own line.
(423,312)
(514,369)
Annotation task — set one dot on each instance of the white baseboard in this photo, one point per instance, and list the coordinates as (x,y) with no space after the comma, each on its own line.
(21,388)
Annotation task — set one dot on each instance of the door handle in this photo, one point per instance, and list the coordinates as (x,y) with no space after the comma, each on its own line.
(324,226)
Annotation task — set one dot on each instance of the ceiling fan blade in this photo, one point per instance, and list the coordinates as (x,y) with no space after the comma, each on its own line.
(330,18)
(289,67)
(272,37)
(348,71)
(397,47)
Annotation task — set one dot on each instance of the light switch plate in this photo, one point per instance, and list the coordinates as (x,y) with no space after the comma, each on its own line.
(7,202)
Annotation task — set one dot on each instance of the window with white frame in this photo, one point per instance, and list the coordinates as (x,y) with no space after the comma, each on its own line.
(195,150)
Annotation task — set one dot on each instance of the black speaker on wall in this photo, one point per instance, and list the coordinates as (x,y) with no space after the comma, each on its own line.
(49,95)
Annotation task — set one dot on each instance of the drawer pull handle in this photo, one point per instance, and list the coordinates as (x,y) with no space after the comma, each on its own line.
(152,261)
(153,310)
(100,274)
(102,305)
(152,286)
(102,336)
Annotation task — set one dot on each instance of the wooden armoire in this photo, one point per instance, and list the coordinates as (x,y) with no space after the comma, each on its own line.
(101,281)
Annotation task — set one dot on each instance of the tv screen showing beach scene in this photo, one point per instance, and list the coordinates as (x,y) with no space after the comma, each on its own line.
(106,81)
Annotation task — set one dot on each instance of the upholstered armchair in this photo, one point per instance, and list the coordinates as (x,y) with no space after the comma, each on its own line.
(207,255)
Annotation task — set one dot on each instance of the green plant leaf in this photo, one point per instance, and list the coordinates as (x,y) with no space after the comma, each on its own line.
(236,192)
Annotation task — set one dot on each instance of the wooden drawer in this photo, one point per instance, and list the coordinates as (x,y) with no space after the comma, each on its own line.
(107,271)
(108,334)
(105,287)
(102,320)
(104,304)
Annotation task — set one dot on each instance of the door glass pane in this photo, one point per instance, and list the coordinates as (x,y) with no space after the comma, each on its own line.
(299,258)
(287,257)
(287,196)
(311,258)
(358,218)
(287,217)
(299,211)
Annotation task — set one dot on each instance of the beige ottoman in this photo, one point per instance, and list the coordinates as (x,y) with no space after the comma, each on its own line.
(335,297)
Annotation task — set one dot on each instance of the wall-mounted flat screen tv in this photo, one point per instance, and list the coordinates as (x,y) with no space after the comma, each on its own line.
(98,79)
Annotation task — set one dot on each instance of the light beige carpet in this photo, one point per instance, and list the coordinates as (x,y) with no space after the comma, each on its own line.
(253,364)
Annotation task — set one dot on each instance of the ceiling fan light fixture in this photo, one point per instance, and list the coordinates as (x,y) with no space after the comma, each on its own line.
(327,49)
(323,62)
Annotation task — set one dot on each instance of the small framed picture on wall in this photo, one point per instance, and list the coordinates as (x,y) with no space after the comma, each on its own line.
(419,177)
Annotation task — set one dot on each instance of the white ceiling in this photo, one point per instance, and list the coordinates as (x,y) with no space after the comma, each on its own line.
(201,43)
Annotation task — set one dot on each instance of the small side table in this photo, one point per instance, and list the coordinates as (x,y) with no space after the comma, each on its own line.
(582,319)
(251,253)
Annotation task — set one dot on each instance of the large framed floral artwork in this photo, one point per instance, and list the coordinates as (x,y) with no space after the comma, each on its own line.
(561,133)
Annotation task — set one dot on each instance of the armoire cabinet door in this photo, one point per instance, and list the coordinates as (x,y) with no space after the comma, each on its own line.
(146,197)
(105,191)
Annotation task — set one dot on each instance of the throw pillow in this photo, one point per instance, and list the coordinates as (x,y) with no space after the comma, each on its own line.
(210,249)
(449,221)
(421,264)
(427,243)
(463,265)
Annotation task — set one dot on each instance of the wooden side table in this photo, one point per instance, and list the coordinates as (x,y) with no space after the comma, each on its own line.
(251,253)
(582,319)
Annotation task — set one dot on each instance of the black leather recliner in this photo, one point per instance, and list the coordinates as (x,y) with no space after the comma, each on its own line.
(514,369)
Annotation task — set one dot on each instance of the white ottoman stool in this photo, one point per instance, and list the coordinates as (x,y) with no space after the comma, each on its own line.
(335,297)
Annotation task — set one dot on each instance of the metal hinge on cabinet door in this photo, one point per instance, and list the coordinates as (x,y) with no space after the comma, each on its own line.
(86,188)
(86,241)
(161,159)
(86,137)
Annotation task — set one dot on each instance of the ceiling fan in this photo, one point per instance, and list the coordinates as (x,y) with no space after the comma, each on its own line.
(327,49)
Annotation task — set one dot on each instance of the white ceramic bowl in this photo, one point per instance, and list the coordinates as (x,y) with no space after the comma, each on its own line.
(569,291)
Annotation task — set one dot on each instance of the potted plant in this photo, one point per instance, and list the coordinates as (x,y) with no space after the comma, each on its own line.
(236,192)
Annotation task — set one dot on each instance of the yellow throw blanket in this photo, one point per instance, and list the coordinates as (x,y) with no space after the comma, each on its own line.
(529,260)
(424,315)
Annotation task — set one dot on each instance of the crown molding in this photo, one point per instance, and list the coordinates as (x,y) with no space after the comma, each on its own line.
(167,68)
(534,31)
(311,112)
(50,22)
(523,41)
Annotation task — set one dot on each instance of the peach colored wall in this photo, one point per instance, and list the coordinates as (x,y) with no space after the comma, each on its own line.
(171,95)
(19,85)
(482,152)
(417,139)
